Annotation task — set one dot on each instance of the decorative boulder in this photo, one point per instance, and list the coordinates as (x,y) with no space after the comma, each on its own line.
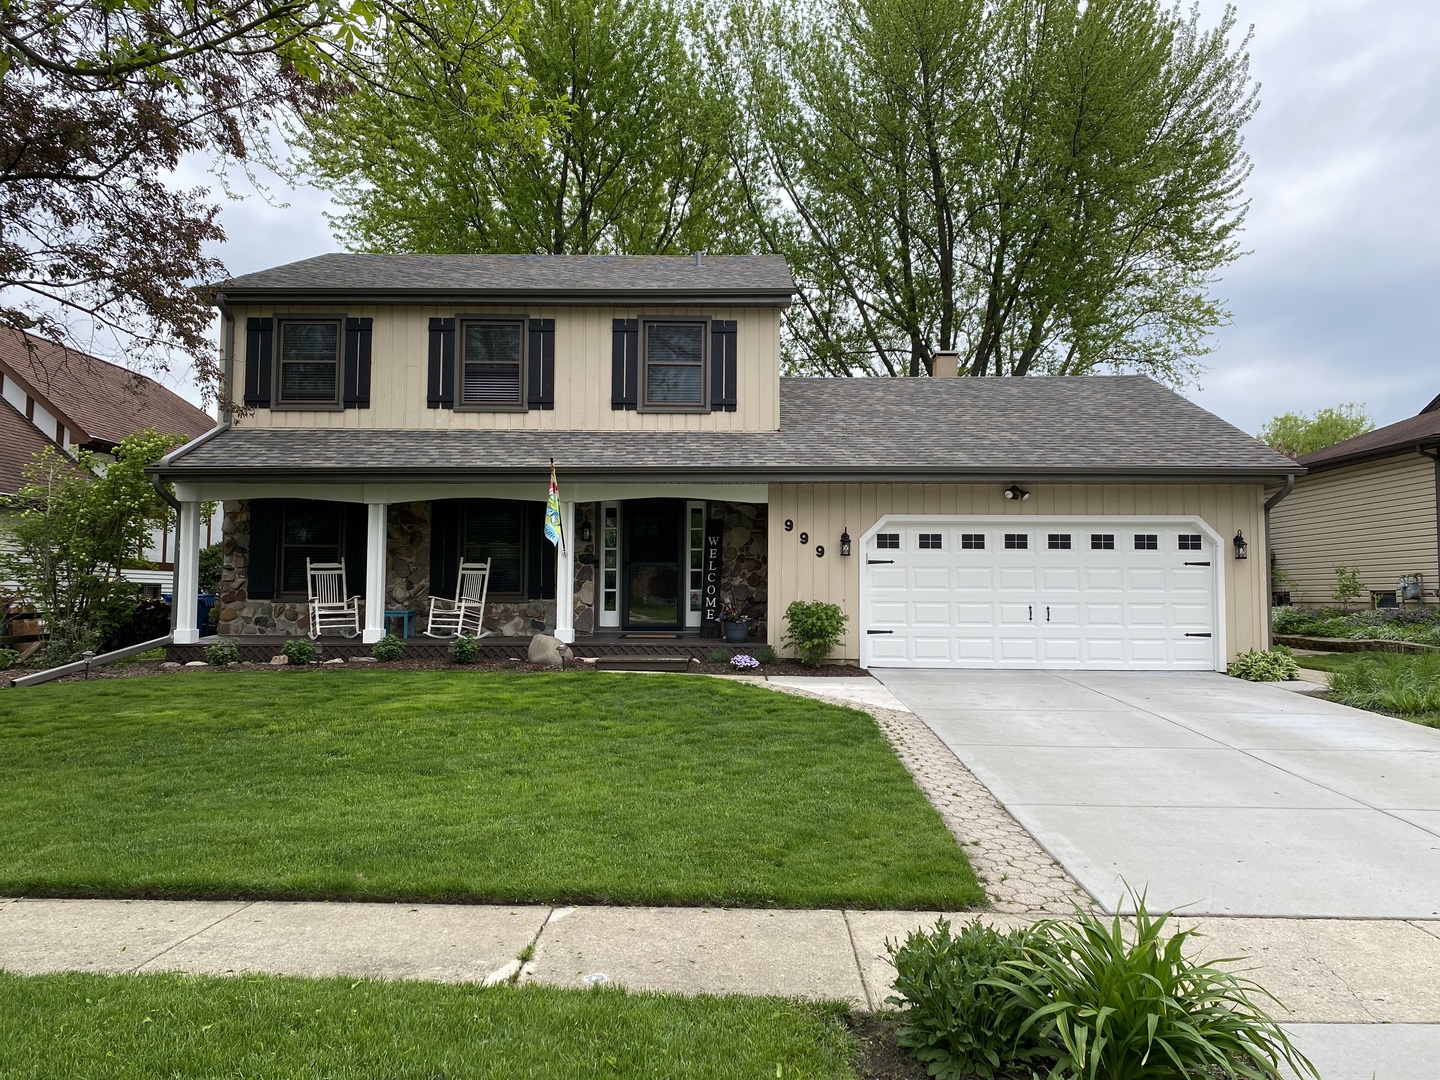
(279,661)
(547,650)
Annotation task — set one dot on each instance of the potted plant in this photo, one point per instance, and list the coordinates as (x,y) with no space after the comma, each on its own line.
(735,624)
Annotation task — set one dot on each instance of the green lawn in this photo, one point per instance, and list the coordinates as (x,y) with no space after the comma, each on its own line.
(1334,661)
(142,1026)
(462,786)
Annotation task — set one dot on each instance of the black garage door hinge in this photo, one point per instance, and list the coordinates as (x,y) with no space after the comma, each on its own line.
(1197,564)
(879,631)
(1206,634)
(879,562)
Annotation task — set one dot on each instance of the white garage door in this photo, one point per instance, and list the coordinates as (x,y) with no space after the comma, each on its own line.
(1074,592)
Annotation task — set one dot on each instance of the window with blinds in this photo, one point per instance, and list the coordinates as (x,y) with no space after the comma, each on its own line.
(495,530)
(309,530)
(492,367)
(674,361)
(309,362)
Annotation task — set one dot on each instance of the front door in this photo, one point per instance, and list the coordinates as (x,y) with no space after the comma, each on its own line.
(654,532)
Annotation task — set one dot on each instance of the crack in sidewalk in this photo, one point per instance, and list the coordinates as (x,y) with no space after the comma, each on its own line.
(191,937)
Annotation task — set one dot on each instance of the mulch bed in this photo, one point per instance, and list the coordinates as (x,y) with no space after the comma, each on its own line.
(156,667)
(881,1055)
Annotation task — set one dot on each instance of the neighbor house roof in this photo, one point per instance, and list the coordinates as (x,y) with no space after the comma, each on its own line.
(559,278)
(21,441)
(99,402)
(1423,429)
(830,429)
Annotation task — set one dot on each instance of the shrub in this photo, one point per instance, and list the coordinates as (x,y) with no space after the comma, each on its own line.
(955,1020)
(8,658)
(388,648)
(814,628)
(1390,682)
(1293,620)
(212,562)
(222,654)
(1347,588)
(1257,665)
(765,654)
(465,650)
(300,651)
(1105,1006)
(718,656)
(743,662)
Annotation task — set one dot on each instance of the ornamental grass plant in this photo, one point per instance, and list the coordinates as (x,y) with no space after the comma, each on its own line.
(1390,682)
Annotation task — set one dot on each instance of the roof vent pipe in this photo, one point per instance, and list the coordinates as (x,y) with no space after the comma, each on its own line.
(945,364)
(699,256)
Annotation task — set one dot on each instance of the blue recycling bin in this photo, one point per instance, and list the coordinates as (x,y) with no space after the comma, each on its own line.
(204,603)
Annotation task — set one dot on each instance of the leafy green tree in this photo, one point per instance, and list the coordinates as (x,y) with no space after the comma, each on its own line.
(72,526)
(570,127)
(99,102)
(1297,434)
(1044,186)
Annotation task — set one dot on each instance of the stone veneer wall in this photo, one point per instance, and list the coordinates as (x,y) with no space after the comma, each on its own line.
(744,579)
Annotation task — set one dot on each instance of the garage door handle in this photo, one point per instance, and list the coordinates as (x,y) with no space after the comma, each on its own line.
(879,631)
(1032,612)
(1197,564)
(1206,634)
(879,562)
(1047,612)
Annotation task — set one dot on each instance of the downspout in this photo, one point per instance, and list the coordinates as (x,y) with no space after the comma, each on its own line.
(1270,504)
(1435,455)
(227,370)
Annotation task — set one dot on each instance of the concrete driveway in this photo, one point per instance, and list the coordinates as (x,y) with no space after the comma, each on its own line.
(1216,796)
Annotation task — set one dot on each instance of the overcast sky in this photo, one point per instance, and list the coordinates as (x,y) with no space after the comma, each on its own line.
(1335,301)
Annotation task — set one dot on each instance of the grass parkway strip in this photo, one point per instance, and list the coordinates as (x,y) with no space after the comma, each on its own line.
(463,787)
(142,1026)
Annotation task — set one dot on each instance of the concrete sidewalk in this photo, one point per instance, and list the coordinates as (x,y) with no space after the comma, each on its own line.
(1326,971)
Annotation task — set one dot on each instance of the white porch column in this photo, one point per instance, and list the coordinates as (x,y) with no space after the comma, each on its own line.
(375,534)
(187,574)
(565,576)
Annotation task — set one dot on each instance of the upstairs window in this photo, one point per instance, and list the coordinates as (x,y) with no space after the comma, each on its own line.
(308,363)
(492,365)
(673,357)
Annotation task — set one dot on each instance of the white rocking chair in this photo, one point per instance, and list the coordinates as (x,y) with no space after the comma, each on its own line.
(331,611)
(465,615)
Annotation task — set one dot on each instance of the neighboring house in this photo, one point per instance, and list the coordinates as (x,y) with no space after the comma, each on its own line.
(53,396)
(403,412)
(1368,503)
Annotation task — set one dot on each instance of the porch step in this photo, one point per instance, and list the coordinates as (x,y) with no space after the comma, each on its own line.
(643,663)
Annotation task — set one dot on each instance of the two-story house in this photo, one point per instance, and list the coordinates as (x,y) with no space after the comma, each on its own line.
(403,412)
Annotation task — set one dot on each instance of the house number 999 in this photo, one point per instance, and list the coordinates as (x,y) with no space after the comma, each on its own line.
(819,551)
(804,538)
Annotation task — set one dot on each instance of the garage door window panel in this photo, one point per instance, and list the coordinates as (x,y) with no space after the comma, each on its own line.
(887,541)
(1059,542)
(1147,542)
(1102,541)
(1192,542)
(972,541)
(931,542)
(1017,541)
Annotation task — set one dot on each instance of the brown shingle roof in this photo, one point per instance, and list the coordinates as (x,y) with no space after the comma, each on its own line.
(20,441)
(1422,429)
(891,429)
(101,402)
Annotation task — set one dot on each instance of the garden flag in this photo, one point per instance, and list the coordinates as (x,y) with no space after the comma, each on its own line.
(552,511)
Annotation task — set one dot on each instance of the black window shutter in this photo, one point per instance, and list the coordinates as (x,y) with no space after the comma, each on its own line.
(354,524)
(442,364)
(357,363)
(259,357)
(723,366)
(540,359)
(264,551)
(540,559)
(625,364)
(444,547)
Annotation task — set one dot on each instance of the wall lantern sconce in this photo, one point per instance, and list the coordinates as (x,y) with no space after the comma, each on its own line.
(1242,549)
(1015,491)
(845,541)
(586,533)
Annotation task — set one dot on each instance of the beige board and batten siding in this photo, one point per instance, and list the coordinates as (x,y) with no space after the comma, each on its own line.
(1377,516)
(400,352)
(825,510)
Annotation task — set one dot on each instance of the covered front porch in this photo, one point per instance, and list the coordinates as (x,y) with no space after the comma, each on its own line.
(643,565)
